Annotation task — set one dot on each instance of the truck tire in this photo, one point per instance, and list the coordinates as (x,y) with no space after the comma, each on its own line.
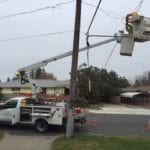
(41,126)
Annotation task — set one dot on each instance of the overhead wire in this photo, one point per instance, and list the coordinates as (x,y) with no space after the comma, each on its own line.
(38,35)
(87,33)
(113,49)
(2,1)
(56,6)
(87,42)
(138,7)
(98,5)
(110,15)
(35,36)
(64,3)
(106,12)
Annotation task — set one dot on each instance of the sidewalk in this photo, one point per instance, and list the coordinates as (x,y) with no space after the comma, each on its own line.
(121,109)
(20,142)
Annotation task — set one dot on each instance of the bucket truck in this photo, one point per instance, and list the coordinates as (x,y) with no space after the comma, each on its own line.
(28,110)
(22,110)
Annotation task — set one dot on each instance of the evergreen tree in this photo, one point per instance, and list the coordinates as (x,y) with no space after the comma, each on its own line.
(8,79)
(32,74)
(38,73)
(41,74)
(103,84)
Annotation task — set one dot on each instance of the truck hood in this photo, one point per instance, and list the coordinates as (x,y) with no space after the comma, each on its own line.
(1,104)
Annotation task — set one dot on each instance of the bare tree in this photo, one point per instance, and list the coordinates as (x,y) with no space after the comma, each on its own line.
(143,80)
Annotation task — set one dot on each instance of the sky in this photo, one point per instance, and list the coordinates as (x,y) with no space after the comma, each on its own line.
(17,53)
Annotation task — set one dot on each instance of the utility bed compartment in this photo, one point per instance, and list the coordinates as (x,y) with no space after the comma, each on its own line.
(53,114)
(25,114)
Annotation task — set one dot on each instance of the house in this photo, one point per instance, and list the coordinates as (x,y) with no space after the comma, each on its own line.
(145,89)
(139,95)
(50,87)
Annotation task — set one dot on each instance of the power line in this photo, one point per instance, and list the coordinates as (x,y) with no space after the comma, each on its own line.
(110,15)
(113,49)
(138,7)
(106,12)
(64,3)
(87,33)
(56,6)
(35,36)
(3,1)
(94,16)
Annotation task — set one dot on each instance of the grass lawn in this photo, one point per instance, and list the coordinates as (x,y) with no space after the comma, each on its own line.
(92,142)
(1,135)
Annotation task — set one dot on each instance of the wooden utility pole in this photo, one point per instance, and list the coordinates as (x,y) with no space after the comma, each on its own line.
(70,121)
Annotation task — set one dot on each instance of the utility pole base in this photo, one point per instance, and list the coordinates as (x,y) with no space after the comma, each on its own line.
(70,124)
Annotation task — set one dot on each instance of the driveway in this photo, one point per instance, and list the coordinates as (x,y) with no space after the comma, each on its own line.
(26,139)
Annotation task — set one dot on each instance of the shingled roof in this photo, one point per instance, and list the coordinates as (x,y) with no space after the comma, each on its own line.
(41,83)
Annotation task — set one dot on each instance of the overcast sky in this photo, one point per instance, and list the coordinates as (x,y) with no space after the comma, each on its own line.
(19,53)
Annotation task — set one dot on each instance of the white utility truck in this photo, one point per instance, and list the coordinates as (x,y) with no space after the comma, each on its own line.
(24,110)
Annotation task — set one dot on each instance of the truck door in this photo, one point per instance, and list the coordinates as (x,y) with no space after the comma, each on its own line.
(10,108)
(2,109)
(15,115)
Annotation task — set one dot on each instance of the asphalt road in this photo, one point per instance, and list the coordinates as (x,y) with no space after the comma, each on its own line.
(26,130)
(120,125)
(106,124)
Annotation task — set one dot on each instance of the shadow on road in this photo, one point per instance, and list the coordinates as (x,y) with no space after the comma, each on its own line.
(30,130)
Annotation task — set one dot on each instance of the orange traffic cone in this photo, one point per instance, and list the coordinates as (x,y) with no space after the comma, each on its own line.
(93,122)
(148,126)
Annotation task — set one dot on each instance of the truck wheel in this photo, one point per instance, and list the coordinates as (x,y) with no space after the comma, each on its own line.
(41,126)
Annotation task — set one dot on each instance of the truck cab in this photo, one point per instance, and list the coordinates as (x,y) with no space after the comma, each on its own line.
(10,110)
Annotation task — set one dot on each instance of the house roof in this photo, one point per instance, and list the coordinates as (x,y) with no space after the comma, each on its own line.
(129,89)
(41,83)
(144,88)
(137,89)
(130,94)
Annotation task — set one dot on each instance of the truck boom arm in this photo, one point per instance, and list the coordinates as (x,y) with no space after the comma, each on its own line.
(69,53)
(22,72)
